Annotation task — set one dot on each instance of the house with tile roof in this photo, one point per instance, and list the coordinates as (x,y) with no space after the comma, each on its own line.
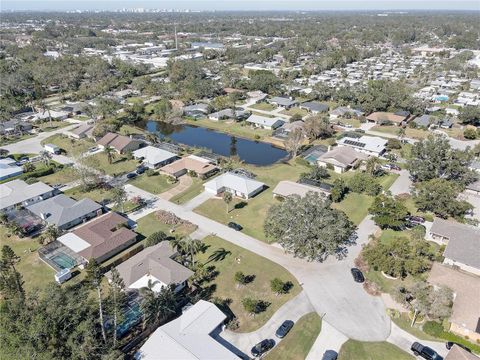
(122,144)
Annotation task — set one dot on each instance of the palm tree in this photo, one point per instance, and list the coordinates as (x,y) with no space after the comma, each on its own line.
(372,165)
(401,133)
(116,287)
(51,233)
(152,138)
(227,198)
(94,279)
(46,157)
(157,305)
(191,247)
(110,151)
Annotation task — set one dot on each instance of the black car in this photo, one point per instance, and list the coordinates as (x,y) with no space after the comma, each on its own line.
(262,347)
(234,226)
(140,170)
(425,352)
(394,167)
(284,329)
(416,220)
(357,275)
(450,344)
(131,175)
(330,355)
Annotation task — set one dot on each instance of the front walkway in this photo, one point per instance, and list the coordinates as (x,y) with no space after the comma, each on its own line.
(198,200)
(292,310)
(184,182)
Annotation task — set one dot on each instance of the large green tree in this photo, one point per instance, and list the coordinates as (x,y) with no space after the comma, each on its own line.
(388,212)
(308,227)
(433,158)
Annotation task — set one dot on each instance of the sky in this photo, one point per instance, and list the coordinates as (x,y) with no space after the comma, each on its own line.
(64,5)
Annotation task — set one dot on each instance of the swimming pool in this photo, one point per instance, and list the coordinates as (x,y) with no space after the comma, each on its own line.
(441,98)
(64,261)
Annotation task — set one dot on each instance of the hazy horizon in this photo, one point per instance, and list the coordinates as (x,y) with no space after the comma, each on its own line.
(232,5)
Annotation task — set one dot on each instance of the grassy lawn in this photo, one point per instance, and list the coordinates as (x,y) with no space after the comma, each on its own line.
(155,184)
(355,206)
(232,127)
(54,125)
(295,110)
(387,180)
(251,214)
(130,130)
(149,224)
(119,165)
(62,176)
(409,132)
(195,189)
(412,208)
(263,106)
(35,272)
(240,259)
(71,146)
(357,350)
(404,321)
(98,194)
(298,342)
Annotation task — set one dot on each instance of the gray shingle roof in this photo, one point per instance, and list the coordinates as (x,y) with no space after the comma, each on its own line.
(60,210)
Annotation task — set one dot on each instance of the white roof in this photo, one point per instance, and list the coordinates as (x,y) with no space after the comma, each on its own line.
(238,183)
(188,337)
(263,120)
(153,155)
(8,168)
(17,191)
(73,242)
(368,143)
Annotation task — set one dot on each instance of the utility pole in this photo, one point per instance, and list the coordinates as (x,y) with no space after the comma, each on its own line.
(176,39)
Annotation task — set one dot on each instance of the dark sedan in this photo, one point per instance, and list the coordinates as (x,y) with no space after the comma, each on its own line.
(357,275)
(262,347)
(234,226)
(284,329)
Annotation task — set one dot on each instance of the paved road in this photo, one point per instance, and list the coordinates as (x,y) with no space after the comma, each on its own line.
(404,340)
(329,339)
(32,145)
(402,184)
(328,285)
(292,310)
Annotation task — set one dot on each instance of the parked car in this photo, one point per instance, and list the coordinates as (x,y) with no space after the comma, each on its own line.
(234,226)
(93,149)
(357,275)
(416,219)
(131,175)
(425,352)
(395,167)
(450,344)
(283,330)
(330,355)
(262,347)
(140,170)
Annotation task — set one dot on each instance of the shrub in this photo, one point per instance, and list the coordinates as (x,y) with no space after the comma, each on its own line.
(433,328)
(155,238)
(470,133)
(150,172)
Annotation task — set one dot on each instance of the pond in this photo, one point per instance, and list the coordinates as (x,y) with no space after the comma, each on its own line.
(251,152)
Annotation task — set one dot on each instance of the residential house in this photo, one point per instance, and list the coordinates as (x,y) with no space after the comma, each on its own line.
(122,144)
(202,167)
(9,168)
(196,110)
(424,121)
(14,127)
(458,353)
(465,318)
(370,145)
(153,264)
(344,111)
(314,107)
(65,212)
(188,337)
(284,102)
(154,157)
(264,122)
(385,118)
(100,239)
(257,95)
(229,114)
(236,184)
(19,193)
(446,123)
(80,132)
(283,131)
(341,159)
(287,188)
(463,244)
(52,149)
